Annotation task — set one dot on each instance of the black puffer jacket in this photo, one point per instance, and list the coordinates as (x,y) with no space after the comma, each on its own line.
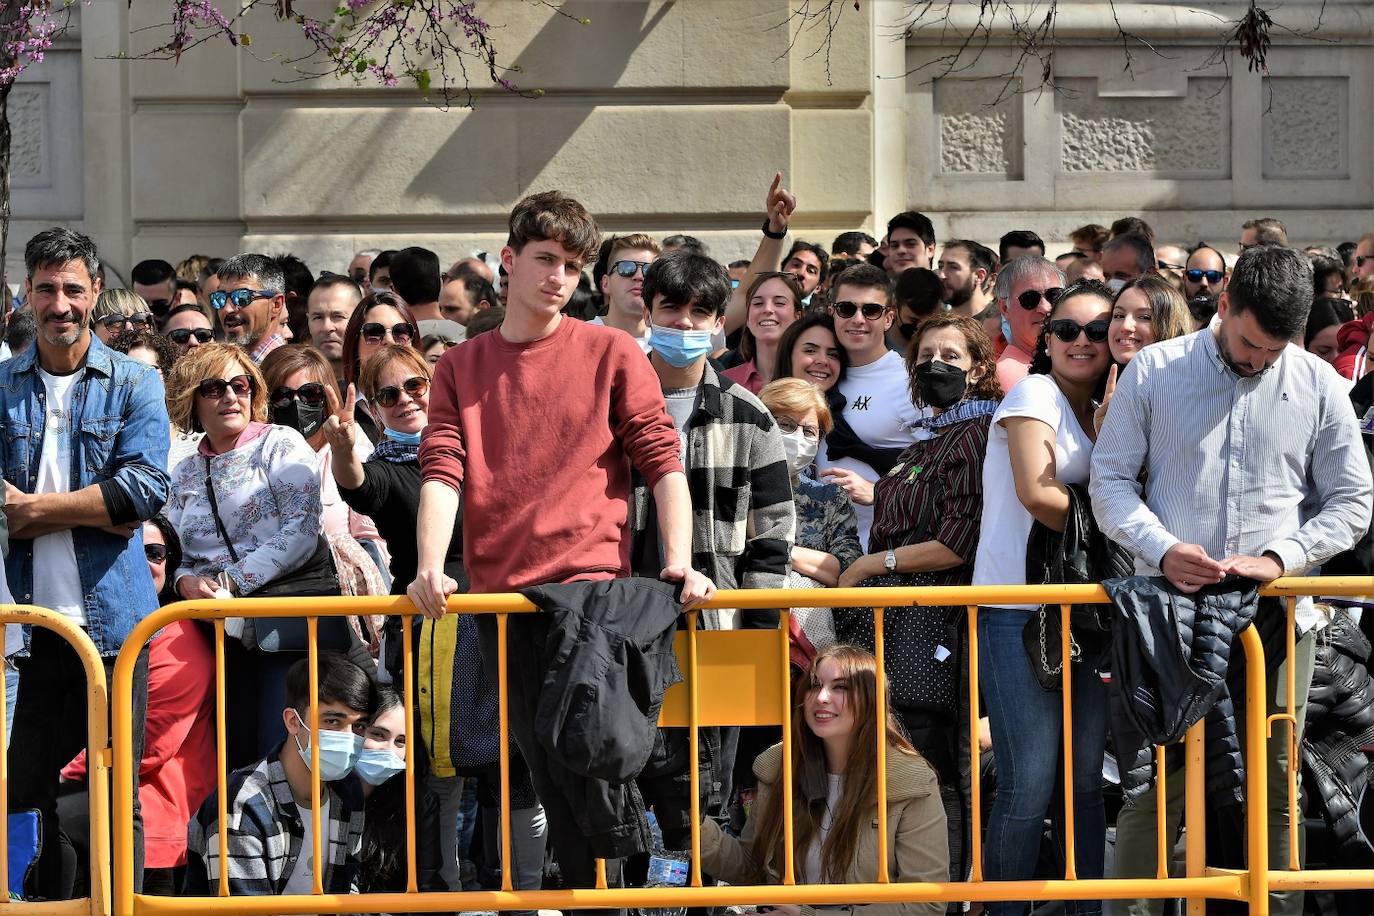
(1340,721)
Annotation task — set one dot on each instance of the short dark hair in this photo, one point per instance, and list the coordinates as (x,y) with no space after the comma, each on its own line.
(1322,268)
(479,288)
(415,275)
(59,245)
(1268,230)
(152,272)
(1142,247)
(211,269)
(329,280)
(1021,238)
(734,265)
(867,276)
(553,216)
(918,223)
(383,259)
(1274,284)
(296,275)
(803,245)
(1129,225)
(1347,251)
(918,289)
(850,242)
(133,338)
(340,681)
(690,243)
(1092,235)
(683,277)
(980,257)
(258,266)
(21,330)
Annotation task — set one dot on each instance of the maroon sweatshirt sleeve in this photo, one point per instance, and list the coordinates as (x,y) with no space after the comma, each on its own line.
(641,415)
(441,444)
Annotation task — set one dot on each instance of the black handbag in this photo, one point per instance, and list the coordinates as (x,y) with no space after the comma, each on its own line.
(315,577)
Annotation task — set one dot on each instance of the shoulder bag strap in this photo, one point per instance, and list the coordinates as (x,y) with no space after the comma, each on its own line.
(214,510)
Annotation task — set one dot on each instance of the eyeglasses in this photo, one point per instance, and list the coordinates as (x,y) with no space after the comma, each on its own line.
(872,310)
(1165,265)
(1030,299)
(1195,275)
(155,553)
(789,425)
(628,269)
(415,386)
(375,332)
(311,394)
(239,298)
(212,389)
(1067,330)
(116,321)
(182,336)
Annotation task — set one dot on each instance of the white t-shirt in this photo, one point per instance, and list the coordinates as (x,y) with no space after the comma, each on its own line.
(56,583)
(302,877)
(877,406)
(1006,523)
(811,869)
(642,341)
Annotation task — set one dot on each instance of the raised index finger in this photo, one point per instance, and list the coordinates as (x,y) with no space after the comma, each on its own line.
(349,404)
(773,188)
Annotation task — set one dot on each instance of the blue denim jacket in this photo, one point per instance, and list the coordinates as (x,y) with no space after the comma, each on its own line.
(119,416)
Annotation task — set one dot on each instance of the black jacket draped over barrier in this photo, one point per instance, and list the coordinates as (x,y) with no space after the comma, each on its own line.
(1175,661)
(586,679)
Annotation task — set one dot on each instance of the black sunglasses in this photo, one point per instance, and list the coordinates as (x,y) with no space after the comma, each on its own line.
(311,394)
(239,298)
(114,321)
(628,269)
(156,553)
(1030,299)
(1067,330)
(1195,275)
(375,332)
(212,389)
(872,310)
(1361,258)
(415,386)
(182,336)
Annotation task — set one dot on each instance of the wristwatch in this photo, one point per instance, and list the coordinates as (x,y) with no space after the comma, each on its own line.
(890,562)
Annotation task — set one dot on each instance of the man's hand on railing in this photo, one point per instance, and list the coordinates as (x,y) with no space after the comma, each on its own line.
(1189,568)
(1262,569)
(696,588)
(429,592)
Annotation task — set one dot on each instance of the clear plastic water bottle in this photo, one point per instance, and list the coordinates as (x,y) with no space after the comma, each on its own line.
(666,869)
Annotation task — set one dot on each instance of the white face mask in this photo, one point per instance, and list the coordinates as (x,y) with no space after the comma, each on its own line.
(1115,284)
(800,450)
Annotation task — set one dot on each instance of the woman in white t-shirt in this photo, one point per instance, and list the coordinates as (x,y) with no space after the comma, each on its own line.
(1041,441)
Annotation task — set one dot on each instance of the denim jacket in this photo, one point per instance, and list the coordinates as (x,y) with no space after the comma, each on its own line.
(119,418)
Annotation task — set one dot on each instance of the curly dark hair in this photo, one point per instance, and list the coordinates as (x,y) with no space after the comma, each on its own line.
(133,338)
(980,350)
(1040,361)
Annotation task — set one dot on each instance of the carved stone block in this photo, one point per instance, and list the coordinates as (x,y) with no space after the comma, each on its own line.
(1170,137)
(1305,131)
(29,141)
(980,127)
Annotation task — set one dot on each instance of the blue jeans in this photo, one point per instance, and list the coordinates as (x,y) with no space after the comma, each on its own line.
(1027,738)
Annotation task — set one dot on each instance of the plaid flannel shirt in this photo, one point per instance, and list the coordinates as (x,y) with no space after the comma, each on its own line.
(266,834)
(743,518)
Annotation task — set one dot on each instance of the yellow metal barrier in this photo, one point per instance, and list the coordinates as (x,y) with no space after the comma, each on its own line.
(720,667)
(98,761)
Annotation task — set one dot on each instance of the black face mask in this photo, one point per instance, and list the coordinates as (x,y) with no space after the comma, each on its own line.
(942,385)
(304,419)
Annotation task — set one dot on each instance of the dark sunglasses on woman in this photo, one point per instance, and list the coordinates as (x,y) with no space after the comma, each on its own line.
(142,319)
(1067,330)
(415,386)
(375,332)
(182,336)
(1030,299)
(155,553)
(212,389)
(310,394)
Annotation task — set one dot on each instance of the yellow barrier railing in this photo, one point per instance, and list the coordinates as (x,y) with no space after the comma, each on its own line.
(98,760)
(717,664)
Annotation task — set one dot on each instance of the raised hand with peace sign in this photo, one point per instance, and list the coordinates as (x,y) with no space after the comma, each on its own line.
(340,432)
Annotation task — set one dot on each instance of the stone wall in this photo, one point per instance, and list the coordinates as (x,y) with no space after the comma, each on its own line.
(672,116)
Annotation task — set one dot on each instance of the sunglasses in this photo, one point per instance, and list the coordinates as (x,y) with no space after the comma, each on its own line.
(1030,299)
(1165,265)
(872,310)
(115,321)
(1361,258)
(239,298)
(156,553)
(1195,275)
(375,332)
(182,336)
(310,394)
(628,269)
(212,389)
(1067,330)
(415,386)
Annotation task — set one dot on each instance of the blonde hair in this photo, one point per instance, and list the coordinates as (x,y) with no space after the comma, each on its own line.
(210,361)
(369,378)
(793,395)
(118,302)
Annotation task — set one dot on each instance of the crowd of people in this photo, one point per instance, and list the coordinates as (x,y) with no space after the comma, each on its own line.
(1184,422)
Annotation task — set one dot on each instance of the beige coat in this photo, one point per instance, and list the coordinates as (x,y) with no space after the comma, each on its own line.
(917,843)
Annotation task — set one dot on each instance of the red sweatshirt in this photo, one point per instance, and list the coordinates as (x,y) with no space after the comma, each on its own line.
(538,438)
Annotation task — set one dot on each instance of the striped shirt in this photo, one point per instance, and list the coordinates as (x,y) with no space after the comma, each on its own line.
(1229,461)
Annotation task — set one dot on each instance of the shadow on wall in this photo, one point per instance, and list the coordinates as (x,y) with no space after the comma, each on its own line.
(564,54)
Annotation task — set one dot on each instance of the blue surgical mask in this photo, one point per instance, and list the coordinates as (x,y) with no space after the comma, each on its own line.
(376,765)
(403,438)
(1006,329)
(679,348)
(338,751)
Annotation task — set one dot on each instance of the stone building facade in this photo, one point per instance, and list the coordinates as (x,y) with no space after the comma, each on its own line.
(672,115)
